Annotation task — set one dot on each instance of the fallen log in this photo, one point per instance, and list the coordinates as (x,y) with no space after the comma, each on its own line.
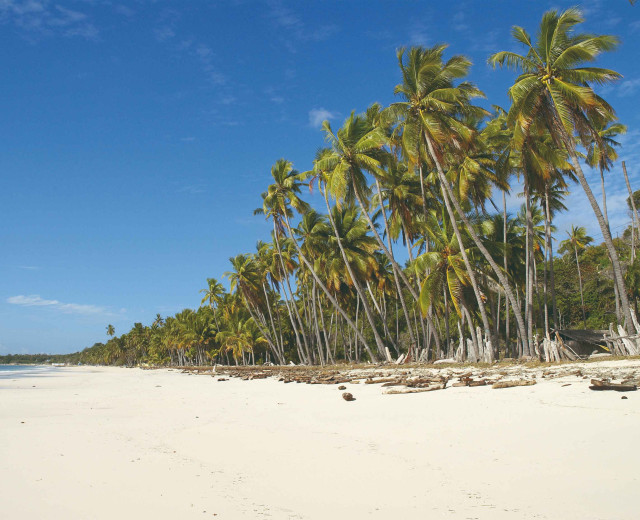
(383,380)
(596,384)
(511,384)
(413,390)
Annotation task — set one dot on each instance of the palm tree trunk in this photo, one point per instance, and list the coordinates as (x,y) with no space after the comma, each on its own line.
(634,219)
(613,254)
(606,220)
(529,256)
(324,288)
(506,300)
(273,326)
(288,303)
(547,231)
(546,278)
(315,319)
(389,254)
(446,318)
(584,316)
(397,270)
(356,284)
(501,276)
(387,334)
(433,330)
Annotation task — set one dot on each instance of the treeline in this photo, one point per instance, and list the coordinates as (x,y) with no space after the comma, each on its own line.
(39,359)
(426,179)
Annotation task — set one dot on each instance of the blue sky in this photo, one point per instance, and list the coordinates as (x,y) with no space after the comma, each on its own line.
(137,136)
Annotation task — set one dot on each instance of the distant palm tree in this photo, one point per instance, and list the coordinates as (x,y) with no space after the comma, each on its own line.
(111,330)
(578,240)
(213,295)
(602,152)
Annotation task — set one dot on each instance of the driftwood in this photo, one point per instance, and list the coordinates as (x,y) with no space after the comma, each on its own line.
(414,390)
(597,384)
(511,384)
(383,380)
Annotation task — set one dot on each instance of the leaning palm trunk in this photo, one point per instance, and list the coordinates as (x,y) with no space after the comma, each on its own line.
(292,303)
(263,330)
(280,351)
(606,220)
(324,288)
(501,276)
(470,271)
(463,252)
(613,254)
(356,284)
(387,334)
(584,316)
(397,270)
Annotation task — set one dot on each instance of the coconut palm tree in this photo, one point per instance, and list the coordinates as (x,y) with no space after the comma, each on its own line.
(213,295)
(447,274)
(246,278)
(432,116)
(356,148)
(554,91)
(601,152)
(278,200)
(577,241)
(111,330)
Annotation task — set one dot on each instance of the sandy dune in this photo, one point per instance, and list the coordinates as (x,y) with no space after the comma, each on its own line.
(105,443)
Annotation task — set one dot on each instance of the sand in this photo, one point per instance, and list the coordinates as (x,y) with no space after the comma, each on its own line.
(105,443)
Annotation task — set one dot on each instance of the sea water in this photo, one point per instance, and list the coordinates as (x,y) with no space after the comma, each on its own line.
(14,371)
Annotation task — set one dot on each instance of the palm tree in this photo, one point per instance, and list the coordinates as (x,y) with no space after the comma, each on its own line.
(578,240)
(447,274)
(357,148)
(348,227)
(246,279)
(213,295)
(111,330)
(431,116)
(601,152)
(278,200)
(553,91)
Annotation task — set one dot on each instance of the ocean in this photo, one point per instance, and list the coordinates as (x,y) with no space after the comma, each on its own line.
(14,371)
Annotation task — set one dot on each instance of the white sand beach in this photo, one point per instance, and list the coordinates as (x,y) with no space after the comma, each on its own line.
(105,443)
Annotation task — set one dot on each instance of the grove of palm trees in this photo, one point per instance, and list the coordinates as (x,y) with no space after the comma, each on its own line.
(395,239)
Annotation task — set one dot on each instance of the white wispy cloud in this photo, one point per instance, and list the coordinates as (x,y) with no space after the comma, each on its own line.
(29,267)
(192,189)
(318,115)
(459,23)
(38,18)
(124,11)
(295,29)
(164,33)
(35,300)
(628,87)
(168,33)
(418,34)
